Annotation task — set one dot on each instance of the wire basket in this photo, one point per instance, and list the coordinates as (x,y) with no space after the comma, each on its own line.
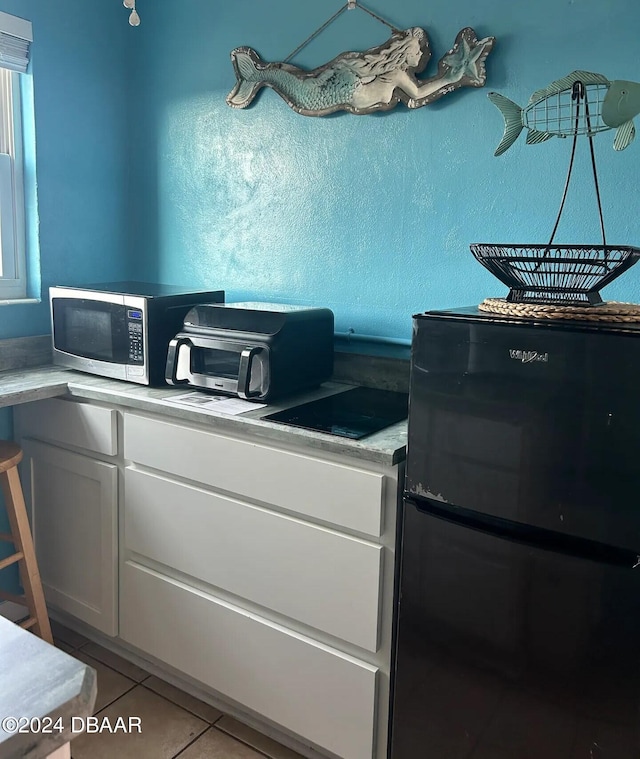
(565,274)
(569,275)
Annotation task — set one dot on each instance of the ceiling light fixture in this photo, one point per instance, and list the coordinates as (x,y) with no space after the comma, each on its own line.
(134,19)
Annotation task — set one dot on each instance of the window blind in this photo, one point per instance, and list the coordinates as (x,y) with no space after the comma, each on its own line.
(15,39)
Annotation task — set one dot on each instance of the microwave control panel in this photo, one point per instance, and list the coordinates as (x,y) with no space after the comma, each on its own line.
(136,339)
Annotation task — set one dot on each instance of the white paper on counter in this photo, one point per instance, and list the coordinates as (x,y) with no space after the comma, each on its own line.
(214,404)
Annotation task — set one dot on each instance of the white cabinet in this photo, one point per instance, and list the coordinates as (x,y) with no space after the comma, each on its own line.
(73,500)
(261,573)
(276,569)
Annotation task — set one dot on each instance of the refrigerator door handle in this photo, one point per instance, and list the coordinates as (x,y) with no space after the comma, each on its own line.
(536,537)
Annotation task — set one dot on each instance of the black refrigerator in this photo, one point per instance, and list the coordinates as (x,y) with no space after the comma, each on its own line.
(518,600)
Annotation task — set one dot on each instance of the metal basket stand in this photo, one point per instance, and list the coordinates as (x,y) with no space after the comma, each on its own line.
(569,275)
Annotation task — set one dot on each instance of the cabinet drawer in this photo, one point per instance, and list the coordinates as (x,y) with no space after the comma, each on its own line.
(314,575)
(91,428)
(312,690)
(340,495)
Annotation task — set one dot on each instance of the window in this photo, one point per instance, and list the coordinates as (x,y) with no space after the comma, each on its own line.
(15,38)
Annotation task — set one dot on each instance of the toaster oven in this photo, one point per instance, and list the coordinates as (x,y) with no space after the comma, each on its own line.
(257,351)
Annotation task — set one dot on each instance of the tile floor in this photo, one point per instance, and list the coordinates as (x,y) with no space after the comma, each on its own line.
(174,724)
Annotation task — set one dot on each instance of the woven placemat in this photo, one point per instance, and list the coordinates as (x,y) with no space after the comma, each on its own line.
(610,311)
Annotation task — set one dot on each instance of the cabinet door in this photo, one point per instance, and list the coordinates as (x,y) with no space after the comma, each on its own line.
(74,519)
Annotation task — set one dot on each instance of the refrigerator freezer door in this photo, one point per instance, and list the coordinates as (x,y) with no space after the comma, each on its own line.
(506,651)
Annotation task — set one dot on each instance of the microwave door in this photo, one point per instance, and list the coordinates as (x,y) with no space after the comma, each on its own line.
(93,334)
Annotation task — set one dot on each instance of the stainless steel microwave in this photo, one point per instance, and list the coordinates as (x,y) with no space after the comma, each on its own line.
(258,351)
(120,329)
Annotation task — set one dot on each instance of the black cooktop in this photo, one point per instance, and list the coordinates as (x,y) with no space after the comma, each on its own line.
(353,414)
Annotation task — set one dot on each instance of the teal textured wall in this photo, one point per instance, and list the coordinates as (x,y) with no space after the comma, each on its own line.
(143,170)
(79,66)
(79,161)
(371,215)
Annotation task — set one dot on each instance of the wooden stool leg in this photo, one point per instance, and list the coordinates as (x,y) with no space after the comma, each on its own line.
(29,573)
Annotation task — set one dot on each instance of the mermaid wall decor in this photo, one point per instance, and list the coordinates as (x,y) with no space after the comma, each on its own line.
(374,80)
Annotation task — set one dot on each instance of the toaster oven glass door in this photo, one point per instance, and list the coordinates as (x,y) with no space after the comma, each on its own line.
(219,365)
(216,363)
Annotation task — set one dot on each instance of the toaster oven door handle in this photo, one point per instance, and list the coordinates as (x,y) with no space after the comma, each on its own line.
(171,368)
(244,373)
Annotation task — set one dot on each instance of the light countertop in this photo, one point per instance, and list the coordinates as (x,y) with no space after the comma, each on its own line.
(22,386)
(44,688)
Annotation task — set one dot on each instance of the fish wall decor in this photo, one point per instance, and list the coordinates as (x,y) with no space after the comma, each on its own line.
(374,80)
(551,112)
